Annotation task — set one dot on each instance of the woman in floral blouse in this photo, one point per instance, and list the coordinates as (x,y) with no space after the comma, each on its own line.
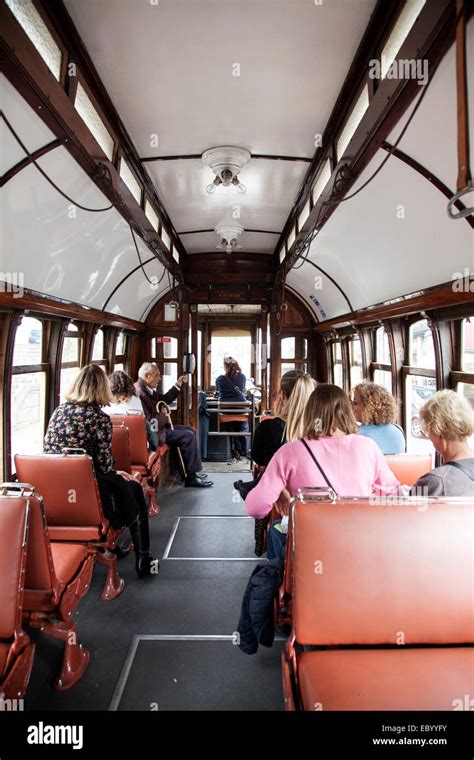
(80,423)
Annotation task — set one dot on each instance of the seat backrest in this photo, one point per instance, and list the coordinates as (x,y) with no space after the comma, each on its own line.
(14,512)
(40,575)
(407,468)
(121,447)
(138,440)
(69,489)
(381,574)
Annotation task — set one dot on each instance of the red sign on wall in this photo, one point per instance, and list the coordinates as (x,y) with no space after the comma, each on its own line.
(163,340)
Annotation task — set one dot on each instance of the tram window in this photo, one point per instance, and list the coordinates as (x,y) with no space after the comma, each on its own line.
(383,377)
(234,342)
(381,368)
(337,364)
(70,360)
(382,348)
(355,353)
(288,348)
(421,346)
(28,342)
(98,349)
(153,348)
(286,367)
(170,349)
(34,26)
(199,359)
(467,358)
(121,347)
(28,389)
(420,384)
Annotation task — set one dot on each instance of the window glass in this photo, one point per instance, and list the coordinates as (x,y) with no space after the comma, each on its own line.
(356,361)
(286,367)
(382,349)
(421,346)
(121,344)
(98,350)
(305,349)
(230,342)
(28,342)
(288,348)
(27,407)
(118,367)
(384,378)
(467,359)
(337,364)
(68,375)
(467,390)
(153,348)
(418,390)
(170,349)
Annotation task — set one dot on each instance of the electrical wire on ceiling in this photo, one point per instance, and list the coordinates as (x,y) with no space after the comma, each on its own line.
(304,246)
(32,160)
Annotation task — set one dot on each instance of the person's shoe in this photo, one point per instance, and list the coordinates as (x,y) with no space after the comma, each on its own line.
(121,551)
(146,565)
(196,482)
(202,475)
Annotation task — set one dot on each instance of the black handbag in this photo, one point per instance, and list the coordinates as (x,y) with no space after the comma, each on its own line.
(244,487)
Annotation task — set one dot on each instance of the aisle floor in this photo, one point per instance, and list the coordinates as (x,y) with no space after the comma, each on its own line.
(168,642)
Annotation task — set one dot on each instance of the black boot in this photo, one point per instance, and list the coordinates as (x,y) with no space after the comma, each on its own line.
(141,544)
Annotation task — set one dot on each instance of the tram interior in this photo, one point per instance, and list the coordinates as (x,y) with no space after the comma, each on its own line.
(326,248)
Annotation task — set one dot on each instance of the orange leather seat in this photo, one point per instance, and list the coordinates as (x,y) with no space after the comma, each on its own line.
(138,454)
(73,508)
(57,577)
(16,650)
(372,575)
(67,559)
(407,468)
(402,679)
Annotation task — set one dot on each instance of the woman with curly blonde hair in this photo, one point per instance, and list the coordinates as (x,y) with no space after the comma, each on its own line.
(374,407)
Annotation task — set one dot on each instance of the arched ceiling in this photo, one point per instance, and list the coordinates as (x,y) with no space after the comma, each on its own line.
(169,80)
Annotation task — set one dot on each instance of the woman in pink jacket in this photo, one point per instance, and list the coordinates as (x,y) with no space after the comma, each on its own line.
(330,454)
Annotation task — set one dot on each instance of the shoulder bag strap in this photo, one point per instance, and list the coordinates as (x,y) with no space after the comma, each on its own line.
(461,467)
(318,465)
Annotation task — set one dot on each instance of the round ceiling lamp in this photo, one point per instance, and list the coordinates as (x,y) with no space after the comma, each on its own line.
(226,162)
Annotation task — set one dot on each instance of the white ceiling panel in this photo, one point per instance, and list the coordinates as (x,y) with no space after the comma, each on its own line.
(136,296)
(319,293)
(393,238)
(431,137)
(61,250)
(174,74)
(272,187)
(28,126)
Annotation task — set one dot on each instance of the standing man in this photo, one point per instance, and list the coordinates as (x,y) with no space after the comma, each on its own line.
(183,436)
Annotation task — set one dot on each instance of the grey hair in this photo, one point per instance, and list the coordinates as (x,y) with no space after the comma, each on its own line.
(147,368)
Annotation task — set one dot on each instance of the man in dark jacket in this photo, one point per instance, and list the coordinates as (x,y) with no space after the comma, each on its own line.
(183,436)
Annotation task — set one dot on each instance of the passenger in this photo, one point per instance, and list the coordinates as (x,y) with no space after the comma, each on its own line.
(330,454)
(124,395)
(448,420)
(80,423)
(375,408)
(183,436)
(231,387)
(295,390)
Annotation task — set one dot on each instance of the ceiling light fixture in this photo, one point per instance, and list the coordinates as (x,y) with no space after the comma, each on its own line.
(226,162)
(228,233)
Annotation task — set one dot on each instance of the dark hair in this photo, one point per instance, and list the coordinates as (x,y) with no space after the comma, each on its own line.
(231,367)
(328,409)
(121,385)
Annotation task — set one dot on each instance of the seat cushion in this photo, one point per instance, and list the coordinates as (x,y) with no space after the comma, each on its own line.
(67,559)
(390,679)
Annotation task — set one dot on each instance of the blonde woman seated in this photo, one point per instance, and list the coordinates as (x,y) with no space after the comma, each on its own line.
(375,408)
(80,423)
(295,389)
(329,454)
(448,421)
